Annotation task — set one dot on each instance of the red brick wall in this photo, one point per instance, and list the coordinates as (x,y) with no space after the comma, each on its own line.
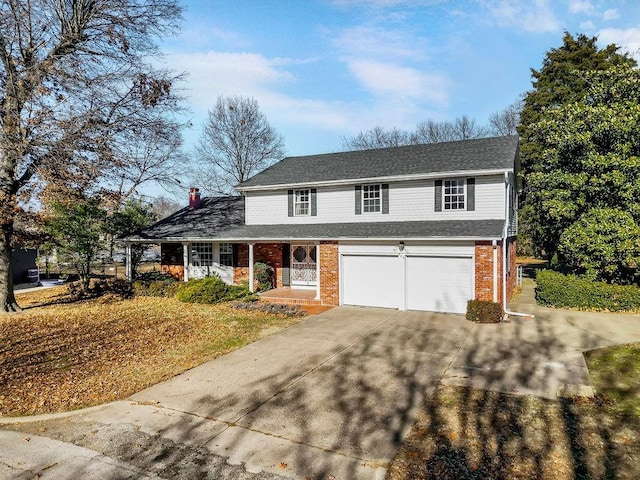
(176,271)
(270,253)
(241,270)
(329,273)
(172,259)
(484,271)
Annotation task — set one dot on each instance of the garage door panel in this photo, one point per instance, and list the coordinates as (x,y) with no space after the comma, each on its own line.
(440,284)
(374,281)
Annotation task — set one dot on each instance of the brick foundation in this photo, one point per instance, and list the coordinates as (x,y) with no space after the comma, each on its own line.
(329,273)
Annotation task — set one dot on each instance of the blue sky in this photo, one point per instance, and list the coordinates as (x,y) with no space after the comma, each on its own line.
(323,69)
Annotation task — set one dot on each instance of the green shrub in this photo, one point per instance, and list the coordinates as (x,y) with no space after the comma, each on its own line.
(604,244)
(210,290)
(483,311)
(155,284)
(570,291)
(263,273)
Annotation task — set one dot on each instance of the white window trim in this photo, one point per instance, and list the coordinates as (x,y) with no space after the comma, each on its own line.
(208,251)
(362,199)
(297,202)
(220,253)
(444,195)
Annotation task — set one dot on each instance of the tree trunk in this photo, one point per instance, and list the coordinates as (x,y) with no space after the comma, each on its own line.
(7,298)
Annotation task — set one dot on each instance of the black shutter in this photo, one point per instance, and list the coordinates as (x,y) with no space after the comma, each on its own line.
(438,196)
(314,204)
(471,194)
(286,264)
(234,249)
(358,199)
(385,198)
(290,202)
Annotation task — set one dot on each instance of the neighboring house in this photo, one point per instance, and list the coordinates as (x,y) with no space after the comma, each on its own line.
(23,265)
(421,227)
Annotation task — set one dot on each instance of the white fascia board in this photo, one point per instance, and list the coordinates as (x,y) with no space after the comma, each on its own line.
(390,178)
(328,239)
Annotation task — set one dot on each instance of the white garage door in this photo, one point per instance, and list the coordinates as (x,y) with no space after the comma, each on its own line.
(372,281)
(438,284)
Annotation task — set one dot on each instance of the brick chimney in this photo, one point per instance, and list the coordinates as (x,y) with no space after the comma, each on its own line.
(194,198)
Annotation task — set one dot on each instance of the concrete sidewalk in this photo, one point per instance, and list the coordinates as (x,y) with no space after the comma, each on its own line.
(538,356)
(332,396)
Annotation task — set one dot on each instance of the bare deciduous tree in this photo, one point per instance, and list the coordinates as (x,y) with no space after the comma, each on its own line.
(429,131)
(75,81)
(237,142)
(506,121)
(152,155)
(377,137)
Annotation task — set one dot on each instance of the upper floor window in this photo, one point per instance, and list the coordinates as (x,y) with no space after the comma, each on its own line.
(226,254)
(453,194)
(371,198)
(202,254)
(301,202)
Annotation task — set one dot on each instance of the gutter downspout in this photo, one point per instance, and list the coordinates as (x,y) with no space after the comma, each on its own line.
(494,244)
(504,256)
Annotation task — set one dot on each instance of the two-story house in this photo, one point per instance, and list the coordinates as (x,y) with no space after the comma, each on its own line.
(421,227)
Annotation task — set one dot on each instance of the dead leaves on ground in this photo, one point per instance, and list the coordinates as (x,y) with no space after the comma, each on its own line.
(472,434)
(66,356)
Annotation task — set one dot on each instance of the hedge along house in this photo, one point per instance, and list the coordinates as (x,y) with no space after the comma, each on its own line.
(424,227)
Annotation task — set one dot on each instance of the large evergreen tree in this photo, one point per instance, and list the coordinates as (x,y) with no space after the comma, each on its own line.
(588,176)
(560,81)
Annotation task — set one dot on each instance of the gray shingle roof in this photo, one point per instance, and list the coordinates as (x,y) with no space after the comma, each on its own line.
(222,218)
(215,216)
(496,153)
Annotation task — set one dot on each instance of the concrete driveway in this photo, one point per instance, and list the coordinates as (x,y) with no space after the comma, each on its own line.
(331,396)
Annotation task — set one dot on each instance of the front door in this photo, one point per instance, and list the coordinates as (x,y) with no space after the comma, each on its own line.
(303,265)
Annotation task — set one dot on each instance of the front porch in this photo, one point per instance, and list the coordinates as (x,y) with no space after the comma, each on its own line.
(290,296)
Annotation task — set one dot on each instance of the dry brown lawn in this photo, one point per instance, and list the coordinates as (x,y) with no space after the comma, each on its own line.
(472,434)
(63,356)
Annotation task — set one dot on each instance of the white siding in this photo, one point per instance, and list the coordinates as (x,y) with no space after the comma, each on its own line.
(408,201)
(513,207)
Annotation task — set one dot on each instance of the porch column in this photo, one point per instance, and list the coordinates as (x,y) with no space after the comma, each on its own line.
(127,261)
(251,289)
(185,260)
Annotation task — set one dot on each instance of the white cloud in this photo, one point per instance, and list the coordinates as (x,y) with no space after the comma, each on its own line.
(219,73)
(375,42)
(401,83)
(611,14)
(536,16)
(628,39)
(252,75)
(580,6)
(587,26)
